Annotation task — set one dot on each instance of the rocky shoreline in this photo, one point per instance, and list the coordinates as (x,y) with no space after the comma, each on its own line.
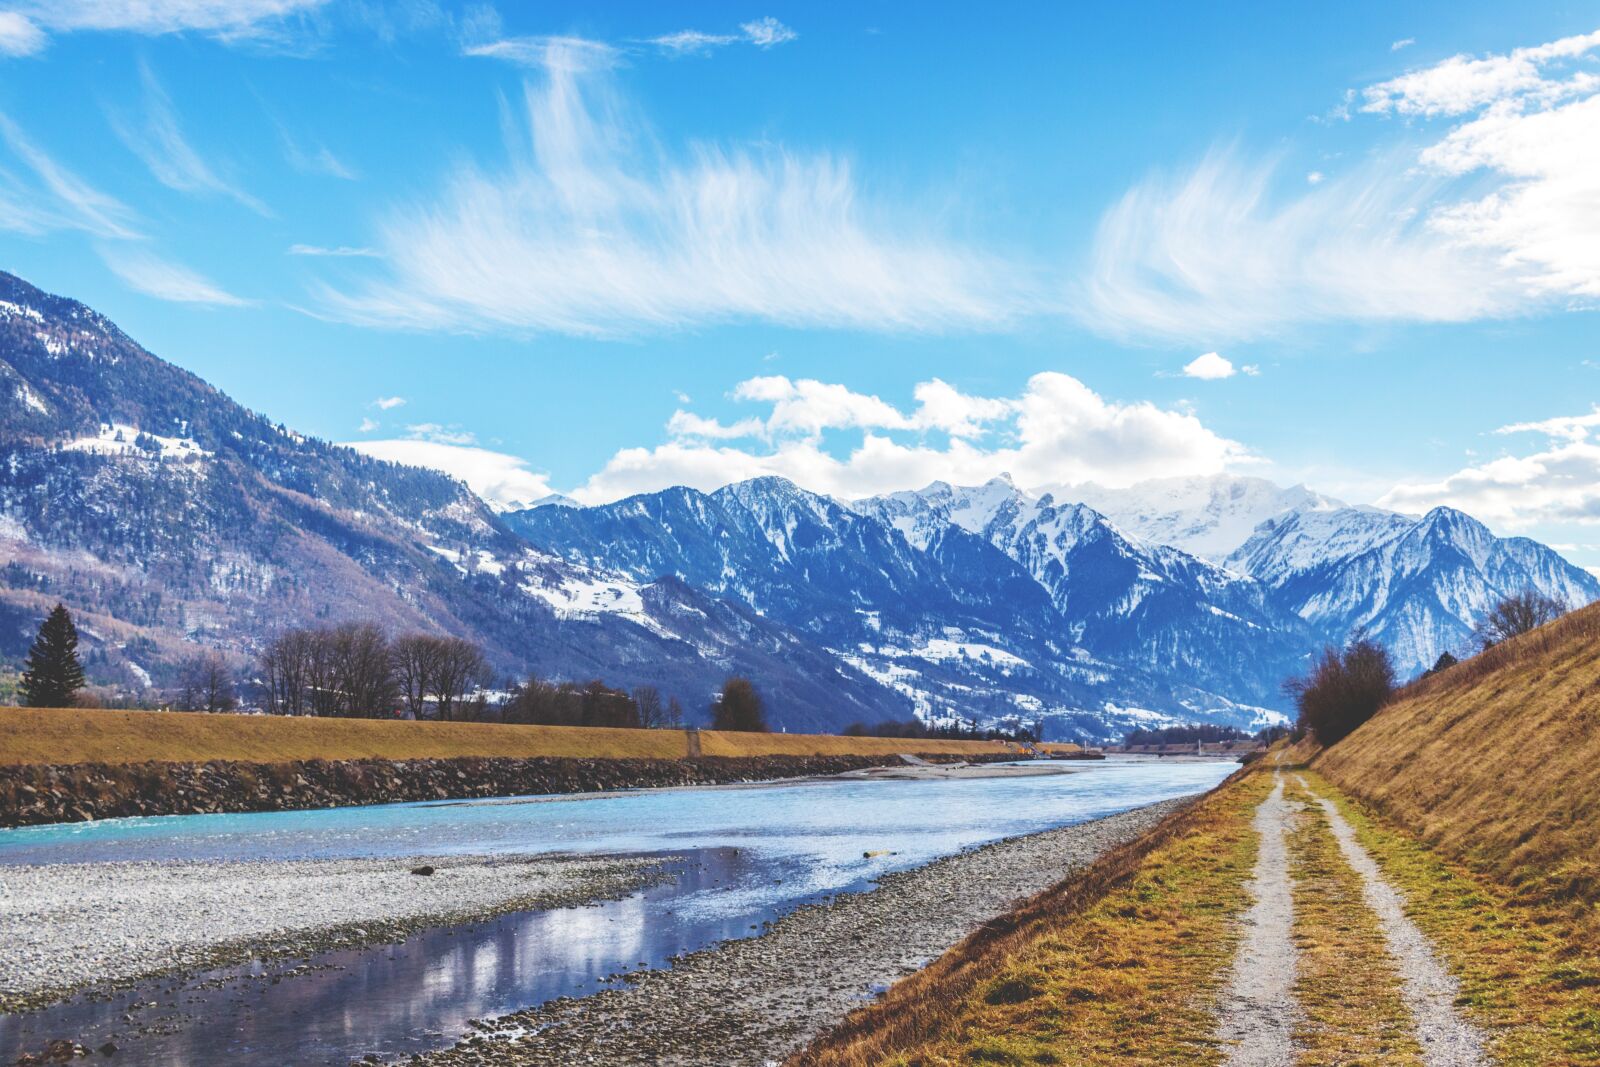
(106,926)
(34,794)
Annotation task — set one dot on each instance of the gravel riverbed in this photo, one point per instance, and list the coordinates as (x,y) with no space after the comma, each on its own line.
(754,1001)
(65,927)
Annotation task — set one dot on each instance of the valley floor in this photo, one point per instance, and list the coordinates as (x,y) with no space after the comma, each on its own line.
(1275,922)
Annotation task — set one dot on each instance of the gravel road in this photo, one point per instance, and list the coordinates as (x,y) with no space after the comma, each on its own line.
(66,926)
(755,1000)
(1258,1012)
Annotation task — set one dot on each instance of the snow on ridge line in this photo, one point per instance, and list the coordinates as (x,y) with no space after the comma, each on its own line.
(121,439)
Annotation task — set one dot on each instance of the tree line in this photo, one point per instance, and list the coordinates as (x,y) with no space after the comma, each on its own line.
(356,670)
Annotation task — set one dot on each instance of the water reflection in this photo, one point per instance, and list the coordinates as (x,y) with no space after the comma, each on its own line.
(398,999)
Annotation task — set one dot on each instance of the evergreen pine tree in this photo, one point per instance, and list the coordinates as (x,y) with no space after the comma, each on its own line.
(52,673)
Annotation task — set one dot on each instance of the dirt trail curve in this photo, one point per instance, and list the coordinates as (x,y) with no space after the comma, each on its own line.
(1429,991)
(1258,1012)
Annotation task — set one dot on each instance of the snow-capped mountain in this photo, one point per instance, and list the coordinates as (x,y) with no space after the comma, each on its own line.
(972,599)
(170,517)
(1205,516)
(1145,606)
(1418,586)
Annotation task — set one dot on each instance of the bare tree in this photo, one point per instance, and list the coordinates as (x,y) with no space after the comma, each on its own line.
(415,659)
(1517,614)
(739,707)
(460,666)
(673,719)
(364,679)
(652,713)
(286,665)
(206,684)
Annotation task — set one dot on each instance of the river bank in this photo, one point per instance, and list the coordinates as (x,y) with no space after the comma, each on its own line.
(35,794)
(753,1001)
(106,925)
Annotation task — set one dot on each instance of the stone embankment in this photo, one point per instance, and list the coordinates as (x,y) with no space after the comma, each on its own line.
(31,794)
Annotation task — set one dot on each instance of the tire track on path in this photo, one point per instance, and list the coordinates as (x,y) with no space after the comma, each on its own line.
(1258,1012)
(1447,1039)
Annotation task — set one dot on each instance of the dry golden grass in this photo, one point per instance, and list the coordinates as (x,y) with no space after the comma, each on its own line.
(1496,762)
(79,735)
(1117,965)
(1346,982)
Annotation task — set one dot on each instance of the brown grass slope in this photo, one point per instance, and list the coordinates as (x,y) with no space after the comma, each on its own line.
(77,735)
(1496,762)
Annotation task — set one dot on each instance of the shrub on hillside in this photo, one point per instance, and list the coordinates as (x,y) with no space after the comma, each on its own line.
(1343,690)
(1516,615)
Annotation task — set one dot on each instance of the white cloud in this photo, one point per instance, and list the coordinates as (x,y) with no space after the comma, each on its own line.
(1315,177)
(568,55)
(1058,431)
(1463,83)
(59,199)
(1221,253)
(226,20)
(1556,483)
(1404,42)
(691,42)
(766,32)
(319,160)
(594,231)
(18,35)
(367,425)
(339,251)
(763,33)
(148,273)
(159,141)
(1494,216)
(502,480)
(1209,367)
(389,403)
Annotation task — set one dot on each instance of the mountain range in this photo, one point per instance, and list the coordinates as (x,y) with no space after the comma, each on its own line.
(169,517)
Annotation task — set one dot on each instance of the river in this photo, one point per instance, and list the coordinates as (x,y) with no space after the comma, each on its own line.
(741,856)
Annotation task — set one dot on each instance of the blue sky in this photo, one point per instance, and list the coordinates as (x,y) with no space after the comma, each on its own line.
(606,249)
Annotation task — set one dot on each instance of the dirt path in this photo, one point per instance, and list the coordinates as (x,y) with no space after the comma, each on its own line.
(1447,1039)
(1258,1012)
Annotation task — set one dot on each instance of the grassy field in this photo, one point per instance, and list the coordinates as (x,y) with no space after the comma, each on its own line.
(46,735)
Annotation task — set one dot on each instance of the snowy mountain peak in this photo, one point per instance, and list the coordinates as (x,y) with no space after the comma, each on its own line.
(1209,516)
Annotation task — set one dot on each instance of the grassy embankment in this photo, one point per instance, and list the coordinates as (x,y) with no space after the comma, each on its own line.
(1477,793)
(66,736)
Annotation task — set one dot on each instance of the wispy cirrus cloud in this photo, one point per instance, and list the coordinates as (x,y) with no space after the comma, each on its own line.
(148,273)
(28,23)
(1056,431)
(593,230)
(56,198)
(335,251)
(1493,216)
(157,138)
(763,33)
(19,36)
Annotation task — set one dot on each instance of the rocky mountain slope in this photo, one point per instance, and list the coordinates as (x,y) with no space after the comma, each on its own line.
(1418,586)
(170,518)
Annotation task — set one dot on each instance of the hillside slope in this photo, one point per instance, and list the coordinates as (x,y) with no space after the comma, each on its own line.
(1496,761)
